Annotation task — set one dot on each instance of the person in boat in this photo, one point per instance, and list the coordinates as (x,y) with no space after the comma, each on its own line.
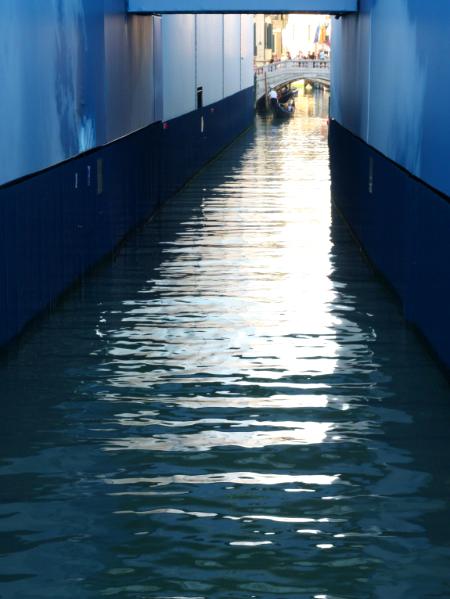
(285,95)
(273,97)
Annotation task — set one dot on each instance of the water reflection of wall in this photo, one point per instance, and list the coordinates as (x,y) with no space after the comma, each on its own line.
(399,396)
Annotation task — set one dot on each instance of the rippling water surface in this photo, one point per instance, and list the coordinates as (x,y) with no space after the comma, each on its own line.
(232,407)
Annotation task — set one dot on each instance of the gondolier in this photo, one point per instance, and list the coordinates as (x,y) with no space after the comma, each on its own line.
(273,97)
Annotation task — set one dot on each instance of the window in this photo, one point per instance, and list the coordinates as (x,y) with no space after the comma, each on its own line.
(269,36)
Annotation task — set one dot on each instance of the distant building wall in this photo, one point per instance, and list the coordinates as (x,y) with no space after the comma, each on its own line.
(268,36)
(391,85)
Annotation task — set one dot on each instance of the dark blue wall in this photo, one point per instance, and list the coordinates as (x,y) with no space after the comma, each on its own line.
(187,147)
(404,227)
(58,223)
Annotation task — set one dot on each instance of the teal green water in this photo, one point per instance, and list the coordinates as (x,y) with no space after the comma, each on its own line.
(231,407)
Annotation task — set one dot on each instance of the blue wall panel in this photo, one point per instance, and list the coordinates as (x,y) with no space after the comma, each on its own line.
(391,84)
(247,48)
(158,68)
(75,74)
(42,75)
(129,72)
(350,73)
(210,56)
(231,54)
(178,50)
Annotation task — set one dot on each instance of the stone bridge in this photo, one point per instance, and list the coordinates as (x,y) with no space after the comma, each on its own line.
(280,73)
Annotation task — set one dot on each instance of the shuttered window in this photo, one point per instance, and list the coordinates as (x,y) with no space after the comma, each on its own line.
(269,36)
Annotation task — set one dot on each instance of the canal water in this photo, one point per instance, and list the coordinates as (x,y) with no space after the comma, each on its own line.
(230,407)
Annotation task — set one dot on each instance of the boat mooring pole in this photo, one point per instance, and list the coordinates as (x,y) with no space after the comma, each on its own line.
(266,93)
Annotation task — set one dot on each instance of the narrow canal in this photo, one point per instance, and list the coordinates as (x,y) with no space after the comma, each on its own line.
(231,407)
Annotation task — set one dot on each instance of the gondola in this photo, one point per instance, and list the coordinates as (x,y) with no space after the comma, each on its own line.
(283,111)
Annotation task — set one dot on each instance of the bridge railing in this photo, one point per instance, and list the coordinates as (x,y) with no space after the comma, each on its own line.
(303,63)
(276,74)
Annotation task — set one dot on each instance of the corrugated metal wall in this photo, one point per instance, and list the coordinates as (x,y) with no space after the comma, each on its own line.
(391,84)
